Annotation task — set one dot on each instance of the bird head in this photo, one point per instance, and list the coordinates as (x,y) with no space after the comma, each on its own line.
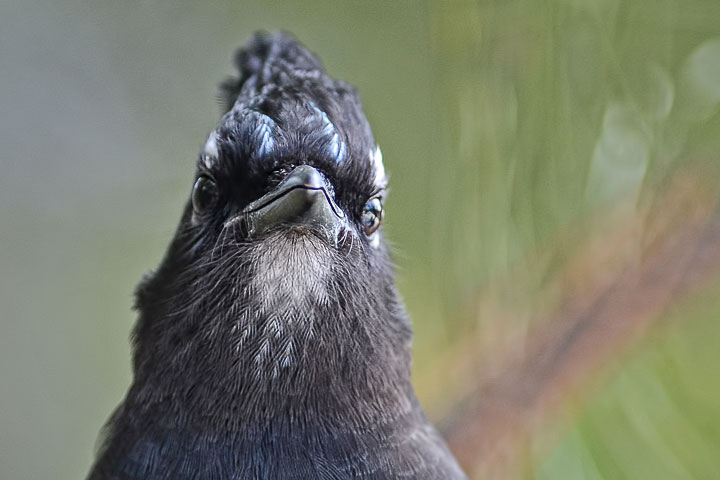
(278,282)
(293,148)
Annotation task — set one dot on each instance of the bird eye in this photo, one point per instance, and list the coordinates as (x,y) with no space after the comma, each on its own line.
(372,215)
(204,194)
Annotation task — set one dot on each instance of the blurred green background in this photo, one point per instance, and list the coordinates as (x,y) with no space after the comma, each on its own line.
(542,154)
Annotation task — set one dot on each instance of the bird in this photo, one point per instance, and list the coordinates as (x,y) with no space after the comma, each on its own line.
(271,341)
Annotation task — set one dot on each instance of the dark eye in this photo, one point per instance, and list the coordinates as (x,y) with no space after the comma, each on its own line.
(204,194)
(372,215)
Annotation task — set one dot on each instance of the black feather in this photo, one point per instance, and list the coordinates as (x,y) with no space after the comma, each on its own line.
(283,356)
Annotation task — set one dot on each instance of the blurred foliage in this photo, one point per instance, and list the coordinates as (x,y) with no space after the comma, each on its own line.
(657,416)
(519,134)
(552,109)
(565,121)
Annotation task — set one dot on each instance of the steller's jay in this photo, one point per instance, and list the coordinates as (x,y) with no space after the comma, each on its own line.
(271,341)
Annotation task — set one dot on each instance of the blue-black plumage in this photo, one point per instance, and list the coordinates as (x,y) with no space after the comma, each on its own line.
(271,341)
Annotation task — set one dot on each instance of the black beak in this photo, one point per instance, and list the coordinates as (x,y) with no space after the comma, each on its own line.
(302,198)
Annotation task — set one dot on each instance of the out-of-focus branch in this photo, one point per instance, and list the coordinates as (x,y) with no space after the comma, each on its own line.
(679,254)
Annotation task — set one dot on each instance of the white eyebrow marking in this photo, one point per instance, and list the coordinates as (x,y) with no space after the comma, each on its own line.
(337,146)
(376,161)
(210,152)
(263,133)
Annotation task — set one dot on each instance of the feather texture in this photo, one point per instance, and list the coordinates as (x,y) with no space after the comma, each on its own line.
(284,356)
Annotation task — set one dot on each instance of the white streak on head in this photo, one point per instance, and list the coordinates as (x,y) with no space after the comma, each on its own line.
(210,152)
(327,125)
(376,161)
(377,164)
(337,146)
(264,136)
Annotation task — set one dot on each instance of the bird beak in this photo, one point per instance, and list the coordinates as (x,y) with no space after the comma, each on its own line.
(302,198)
